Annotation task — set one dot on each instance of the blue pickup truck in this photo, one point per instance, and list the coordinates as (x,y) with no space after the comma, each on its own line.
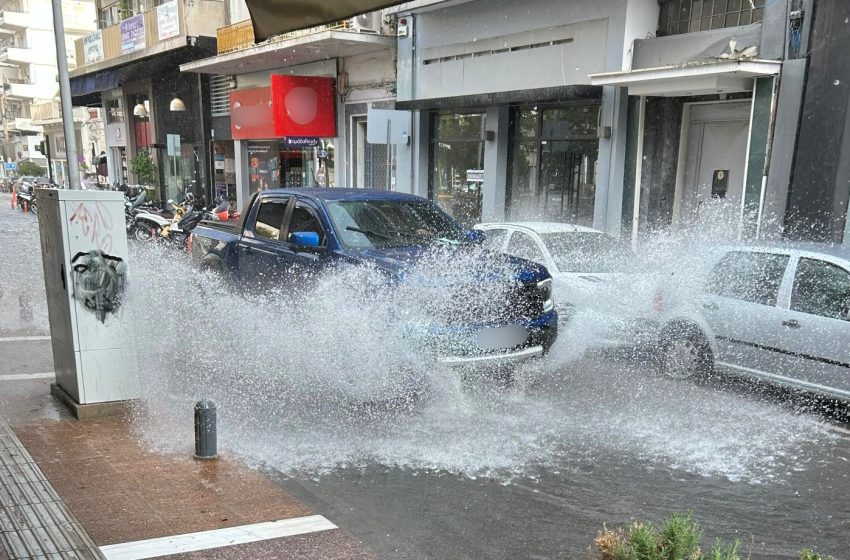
(286,235)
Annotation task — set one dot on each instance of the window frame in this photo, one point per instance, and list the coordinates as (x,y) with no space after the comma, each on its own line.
(783,290)
(792,275)
(287,203)
(311,208)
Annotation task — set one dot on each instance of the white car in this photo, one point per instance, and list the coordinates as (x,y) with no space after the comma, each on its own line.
(592,272)
(780,313)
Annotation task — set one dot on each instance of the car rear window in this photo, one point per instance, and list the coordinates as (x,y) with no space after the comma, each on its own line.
(588,252)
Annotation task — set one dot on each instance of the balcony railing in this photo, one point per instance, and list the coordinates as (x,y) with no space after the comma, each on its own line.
(197,19)
(241,35)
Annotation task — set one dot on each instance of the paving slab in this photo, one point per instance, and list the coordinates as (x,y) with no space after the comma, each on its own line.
(34,523)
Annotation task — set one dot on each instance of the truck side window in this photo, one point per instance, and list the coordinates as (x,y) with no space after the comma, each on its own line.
(270,218)
(304,219)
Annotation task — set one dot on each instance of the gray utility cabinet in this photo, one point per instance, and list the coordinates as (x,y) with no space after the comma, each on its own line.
(93,356)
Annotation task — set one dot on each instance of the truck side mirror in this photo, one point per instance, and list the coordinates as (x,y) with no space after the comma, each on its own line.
(306,239)
(475,236)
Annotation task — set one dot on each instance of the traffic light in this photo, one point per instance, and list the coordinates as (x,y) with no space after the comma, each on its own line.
(44,147)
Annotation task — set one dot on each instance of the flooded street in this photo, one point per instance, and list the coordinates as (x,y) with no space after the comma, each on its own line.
(532,471)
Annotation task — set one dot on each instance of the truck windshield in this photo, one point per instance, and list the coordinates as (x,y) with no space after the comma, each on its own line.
(390,223)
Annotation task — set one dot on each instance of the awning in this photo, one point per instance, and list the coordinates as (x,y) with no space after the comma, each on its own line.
(323,45)
(93,83)
(274,17)
(704,78)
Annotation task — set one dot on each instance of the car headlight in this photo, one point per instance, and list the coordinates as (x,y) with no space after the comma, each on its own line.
(544,288)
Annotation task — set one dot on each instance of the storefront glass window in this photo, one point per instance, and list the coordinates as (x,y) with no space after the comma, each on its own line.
(457,170)
(554,151)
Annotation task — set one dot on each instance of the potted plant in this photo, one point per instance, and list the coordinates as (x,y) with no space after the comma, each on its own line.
(143,167)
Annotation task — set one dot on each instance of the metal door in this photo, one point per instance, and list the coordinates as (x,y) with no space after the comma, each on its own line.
(715,162)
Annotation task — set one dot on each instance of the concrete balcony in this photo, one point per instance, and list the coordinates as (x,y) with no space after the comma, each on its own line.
(103,49)
(238,54)
(26,91)
(24,56)
(50,113)
(18,21)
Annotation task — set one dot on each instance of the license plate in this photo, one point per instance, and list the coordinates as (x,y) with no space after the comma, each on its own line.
(496,338)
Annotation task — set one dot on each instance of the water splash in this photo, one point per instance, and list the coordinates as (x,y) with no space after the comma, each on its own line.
(291,376)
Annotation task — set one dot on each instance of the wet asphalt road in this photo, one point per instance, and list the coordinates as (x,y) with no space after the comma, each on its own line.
(558,511)
(788,485)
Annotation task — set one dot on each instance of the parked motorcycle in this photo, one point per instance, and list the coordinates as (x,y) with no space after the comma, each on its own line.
(26,199)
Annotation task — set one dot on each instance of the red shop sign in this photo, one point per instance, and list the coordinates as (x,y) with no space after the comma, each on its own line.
(251,114)
(304,106)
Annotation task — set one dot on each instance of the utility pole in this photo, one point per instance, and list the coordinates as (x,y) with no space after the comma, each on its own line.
(65,95)
(6,125)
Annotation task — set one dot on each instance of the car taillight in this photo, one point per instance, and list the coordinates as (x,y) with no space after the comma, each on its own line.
(658,302)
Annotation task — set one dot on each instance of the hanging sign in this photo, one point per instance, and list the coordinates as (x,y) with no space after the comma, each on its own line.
(93,47)
(133,34)
(304,106)
(168,20)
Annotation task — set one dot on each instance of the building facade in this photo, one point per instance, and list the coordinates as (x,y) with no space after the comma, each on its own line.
(129,69)
(345,68)
(28,67)
(506,123)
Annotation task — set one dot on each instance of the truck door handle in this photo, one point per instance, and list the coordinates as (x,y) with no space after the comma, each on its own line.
(791,323)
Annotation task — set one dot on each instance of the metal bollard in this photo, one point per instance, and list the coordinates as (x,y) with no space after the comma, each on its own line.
(205,430)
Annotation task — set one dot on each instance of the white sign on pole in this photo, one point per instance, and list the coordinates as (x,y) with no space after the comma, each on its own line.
(172,142)
(388,127)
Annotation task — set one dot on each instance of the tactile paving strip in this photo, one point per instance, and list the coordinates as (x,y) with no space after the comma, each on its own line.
(34,522)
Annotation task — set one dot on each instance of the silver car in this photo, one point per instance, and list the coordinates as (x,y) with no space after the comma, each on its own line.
(779,313)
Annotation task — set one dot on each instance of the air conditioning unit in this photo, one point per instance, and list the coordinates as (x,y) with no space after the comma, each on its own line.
(367,23)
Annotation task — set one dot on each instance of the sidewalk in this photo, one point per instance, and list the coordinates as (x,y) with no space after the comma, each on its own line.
(105,486)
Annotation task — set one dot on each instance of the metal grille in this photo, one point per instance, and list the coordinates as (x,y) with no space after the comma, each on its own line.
(220,96)
(687,16)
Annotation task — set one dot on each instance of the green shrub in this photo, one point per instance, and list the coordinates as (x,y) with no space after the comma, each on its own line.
(30,169)
(679,538)
(807,554)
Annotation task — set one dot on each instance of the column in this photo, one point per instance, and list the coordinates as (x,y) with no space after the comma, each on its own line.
(240,156)
(495,164)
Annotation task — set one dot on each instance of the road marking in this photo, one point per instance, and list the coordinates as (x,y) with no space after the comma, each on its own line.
(22,376)
(22,338)
(205,540)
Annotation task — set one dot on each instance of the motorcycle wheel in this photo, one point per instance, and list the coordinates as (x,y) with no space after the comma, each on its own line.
(34,208)
(145,232)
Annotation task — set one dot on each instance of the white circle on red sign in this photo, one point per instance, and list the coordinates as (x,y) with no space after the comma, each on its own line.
(302,105)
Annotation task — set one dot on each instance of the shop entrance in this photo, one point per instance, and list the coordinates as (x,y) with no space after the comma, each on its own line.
(552,167)
(291,163)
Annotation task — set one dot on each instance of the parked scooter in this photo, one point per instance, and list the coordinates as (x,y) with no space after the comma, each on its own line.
(26,199)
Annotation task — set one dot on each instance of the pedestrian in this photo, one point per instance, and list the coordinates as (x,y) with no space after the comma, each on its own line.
(14,196)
